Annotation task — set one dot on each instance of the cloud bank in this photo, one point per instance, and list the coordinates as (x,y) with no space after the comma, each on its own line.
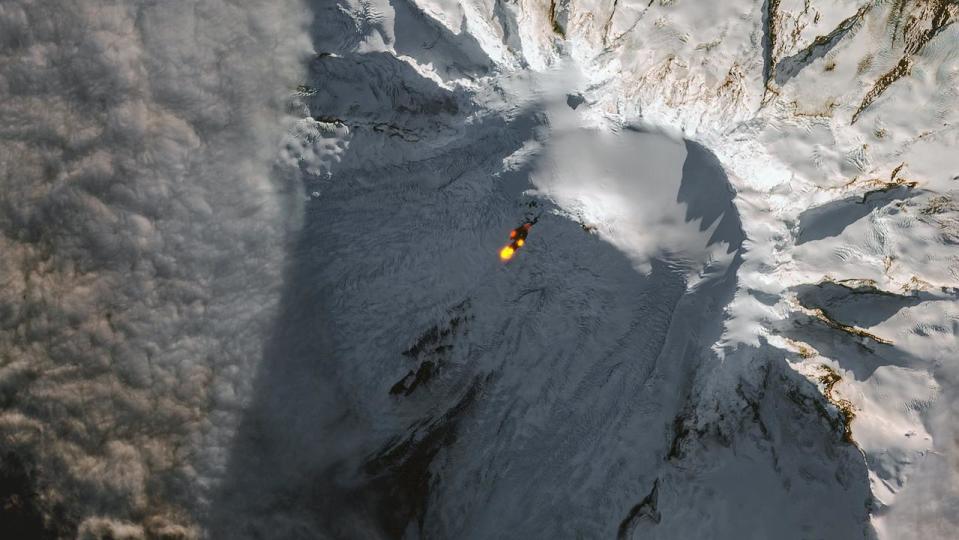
(143,225)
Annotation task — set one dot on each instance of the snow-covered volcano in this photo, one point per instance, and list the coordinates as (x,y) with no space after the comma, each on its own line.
(712,331)
(735,314)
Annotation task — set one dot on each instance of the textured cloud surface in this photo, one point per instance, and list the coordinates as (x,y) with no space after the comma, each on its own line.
(143,226)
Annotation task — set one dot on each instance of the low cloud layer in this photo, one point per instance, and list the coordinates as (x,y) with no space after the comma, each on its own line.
(143,226)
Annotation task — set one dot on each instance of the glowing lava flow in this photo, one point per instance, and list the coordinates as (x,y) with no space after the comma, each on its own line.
(517,238)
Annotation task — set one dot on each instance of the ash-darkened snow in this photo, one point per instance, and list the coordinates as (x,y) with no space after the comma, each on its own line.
(254,283)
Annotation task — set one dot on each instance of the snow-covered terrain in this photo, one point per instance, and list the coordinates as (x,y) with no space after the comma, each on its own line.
(735,316)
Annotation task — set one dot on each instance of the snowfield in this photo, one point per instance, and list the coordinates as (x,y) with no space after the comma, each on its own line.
(736,315)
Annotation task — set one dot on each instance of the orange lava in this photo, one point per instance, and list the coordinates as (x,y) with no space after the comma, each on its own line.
(506,253)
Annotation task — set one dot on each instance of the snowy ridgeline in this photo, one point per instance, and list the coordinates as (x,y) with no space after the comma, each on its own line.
(734,317)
